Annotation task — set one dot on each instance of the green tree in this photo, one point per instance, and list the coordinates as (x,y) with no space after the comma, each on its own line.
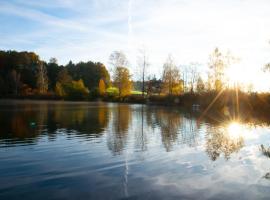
(90,73)
(52,72)
(76,90)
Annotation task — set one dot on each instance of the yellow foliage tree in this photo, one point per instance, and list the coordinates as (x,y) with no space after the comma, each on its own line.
(171,82)
(122,81)
(101,87)
(59,90)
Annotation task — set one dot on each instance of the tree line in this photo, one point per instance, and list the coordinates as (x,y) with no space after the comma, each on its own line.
(25,74)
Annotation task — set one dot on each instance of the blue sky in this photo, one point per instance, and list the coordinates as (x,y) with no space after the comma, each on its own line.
(84,30)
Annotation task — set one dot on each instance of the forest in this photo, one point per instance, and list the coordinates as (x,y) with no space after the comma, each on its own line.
(24,75)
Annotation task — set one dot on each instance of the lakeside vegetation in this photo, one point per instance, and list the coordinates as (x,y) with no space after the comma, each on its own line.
(24,75)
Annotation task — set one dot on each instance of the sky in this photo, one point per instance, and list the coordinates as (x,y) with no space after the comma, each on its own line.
(189,30)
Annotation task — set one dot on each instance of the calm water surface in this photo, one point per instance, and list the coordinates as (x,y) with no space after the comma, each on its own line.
(56,150)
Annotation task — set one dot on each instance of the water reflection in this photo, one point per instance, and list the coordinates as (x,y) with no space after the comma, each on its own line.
(25,122)
(117,136)
(100,151)
(175,128)
(223,140)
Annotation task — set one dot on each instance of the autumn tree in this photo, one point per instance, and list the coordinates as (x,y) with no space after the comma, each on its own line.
(101,87)
(76,90)
(63,79)
(218,62)
(217,67)
(172,84)
(17,69)
(90,73)
(122,80)
(121,73)
(42,78)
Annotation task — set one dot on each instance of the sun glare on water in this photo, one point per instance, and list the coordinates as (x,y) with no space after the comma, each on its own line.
(235,130)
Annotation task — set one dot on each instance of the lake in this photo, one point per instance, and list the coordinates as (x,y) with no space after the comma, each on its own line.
(62,150)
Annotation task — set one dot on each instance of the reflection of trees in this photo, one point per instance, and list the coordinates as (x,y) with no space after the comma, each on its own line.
(86,121)
(117,137)
(189,132)
(19,122)
(173,125)
(218,142)
(28,120)
(169,124)
(168,121)
(141,129)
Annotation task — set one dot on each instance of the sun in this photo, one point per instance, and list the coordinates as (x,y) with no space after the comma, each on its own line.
(235,74)
(235,130)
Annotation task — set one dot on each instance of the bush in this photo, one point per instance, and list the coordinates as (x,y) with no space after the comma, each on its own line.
(76,90)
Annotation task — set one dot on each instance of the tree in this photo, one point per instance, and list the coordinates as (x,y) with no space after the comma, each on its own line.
(17,69)
(53,61)
(63,77)
(42,79)
(122,81)
(143,63)
(76,90)
(154,85)
(52,71)
(121,73)
(171,78)
(59,90)
(200,85)
(15,81)
(101,87)
(194,75)
(90,73)
(217,66)
(118,59)
(185,72)
(218,62)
